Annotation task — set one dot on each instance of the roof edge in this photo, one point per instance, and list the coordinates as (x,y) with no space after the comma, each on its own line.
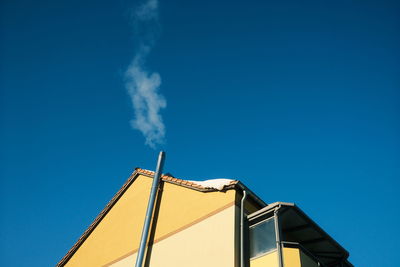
(186,183)
(251,194)
(166,178)
(98,219)
(181,182)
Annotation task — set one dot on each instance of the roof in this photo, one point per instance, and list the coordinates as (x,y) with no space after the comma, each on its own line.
(166,178)
(186,183)
(298,228)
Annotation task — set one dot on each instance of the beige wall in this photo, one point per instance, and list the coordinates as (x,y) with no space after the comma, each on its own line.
(209,242)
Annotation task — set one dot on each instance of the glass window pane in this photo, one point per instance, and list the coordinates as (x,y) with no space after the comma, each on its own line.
(262,238)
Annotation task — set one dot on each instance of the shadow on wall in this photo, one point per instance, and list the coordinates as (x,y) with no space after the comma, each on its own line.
(154,224)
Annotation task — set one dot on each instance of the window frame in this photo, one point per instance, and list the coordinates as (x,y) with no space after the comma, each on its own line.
(274,249)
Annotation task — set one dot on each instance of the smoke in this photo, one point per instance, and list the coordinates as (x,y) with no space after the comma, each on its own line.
(147,11)
(142,85)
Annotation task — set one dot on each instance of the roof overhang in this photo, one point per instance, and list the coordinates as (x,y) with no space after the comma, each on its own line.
(297,228)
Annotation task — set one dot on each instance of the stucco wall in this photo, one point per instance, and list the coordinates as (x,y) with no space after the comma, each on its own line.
(291,257)
(209,242)
(294,257)
(118,234)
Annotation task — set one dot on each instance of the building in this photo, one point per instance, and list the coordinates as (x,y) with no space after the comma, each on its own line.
(201,224)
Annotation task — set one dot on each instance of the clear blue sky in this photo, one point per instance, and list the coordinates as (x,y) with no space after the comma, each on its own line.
(297,99)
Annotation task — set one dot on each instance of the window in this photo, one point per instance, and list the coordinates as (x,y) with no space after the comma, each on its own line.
(262,237)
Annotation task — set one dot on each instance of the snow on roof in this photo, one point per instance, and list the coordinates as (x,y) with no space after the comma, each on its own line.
(218,184)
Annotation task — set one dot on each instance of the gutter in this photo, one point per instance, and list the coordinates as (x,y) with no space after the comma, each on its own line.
(246,192)
(251,194)
(278,236)
(242,228)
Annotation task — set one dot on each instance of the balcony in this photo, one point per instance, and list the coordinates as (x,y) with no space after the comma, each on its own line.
(282,235)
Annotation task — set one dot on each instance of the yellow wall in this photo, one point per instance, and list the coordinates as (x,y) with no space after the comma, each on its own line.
(118,234)
(294,257)
(207,243)
(291,257)
(267,260)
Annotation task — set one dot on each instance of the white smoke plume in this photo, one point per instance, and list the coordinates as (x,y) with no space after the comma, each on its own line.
(142,85)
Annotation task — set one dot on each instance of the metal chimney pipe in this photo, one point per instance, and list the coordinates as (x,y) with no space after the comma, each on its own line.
(150,208)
